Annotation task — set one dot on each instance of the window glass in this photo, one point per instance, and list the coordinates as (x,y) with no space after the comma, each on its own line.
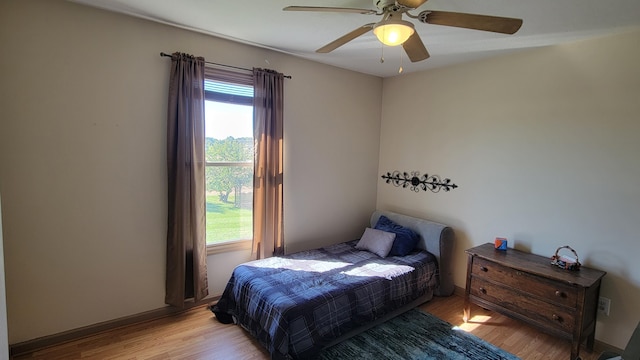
(229,162)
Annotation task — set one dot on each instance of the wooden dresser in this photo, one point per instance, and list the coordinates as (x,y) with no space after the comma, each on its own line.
(527,287)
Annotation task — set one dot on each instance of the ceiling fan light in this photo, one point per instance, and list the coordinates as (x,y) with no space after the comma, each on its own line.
(393,32)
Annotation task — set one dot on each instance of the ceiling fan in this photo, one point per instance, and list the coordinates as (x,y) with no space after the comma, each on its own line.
(392,30)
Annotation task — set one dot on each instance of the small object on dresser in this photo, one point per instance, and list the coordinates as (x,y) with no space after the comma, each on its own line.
(500,243)
(565,261)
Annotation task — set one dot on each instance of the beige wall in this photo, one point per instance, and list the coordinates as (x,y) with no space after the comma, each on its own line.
(544,146)
(82,159)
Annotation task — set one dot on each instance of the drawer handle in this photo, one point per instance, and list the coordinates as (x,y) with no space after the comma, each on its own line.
(483,290)
(556,318)
(482,268)
(560,294)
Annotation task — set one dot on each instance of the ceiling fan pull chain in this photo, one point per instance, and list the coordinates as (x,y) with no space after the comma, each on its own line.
(400,69)
(381,53)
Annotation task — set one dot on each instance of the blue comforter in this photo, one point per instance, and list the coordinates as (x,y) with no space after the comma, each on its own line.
(296,304)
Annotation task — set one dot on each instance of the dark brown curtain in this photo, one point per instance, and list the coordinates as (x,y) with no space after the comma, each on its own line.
(186,278)
(268,239)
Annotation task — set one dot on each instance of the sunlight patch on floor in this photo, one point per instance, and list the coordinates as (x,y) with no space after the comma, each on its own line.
(473,323)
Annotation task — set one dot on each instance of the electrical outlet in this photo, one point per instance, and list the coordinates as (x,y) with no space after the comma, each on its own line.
(604,305)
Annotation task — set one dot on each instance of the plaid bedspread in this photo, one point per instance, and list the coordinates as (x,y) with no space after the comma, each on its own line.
(295,305)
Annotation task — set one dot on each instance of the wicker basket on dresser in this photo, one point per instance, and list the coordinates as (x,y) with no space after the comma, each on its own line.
(527,287)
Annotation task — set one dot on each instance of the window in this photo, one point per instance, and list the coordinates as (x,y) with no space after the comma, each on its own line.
(229,164)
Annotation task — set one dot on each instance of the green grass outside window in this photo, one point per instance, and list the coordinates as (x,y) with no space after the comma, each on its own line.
(225,222)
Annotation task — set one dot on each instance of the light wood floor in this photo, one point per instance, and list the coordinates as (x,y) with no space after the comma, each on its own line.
(196,334)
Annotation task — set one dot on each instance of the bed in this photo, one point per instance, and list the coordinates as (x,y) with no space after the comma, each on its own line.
(296,305)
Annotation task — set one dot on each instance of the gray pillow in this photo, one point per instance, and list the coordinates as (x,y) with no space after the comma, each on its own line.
(376,241)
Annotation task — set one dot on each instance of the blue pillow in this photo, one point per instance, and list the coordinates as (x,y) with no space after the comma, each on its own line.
(406,239)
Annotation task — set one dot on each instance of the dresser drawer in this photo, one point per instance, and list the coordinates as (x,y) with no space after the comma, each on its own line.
(562,294)
(535,310)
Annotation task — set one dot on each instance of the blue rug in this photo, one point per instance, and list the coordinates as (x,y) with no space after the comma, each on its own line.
(415,335)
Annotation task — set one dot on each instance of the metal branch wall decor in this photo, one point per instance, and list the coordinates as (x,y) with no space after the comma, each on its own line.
(416,182)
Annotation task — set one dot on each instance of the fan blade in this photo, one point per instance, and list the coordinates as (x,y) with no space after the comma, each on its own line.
(415,48)
(345,38)
(330,9)
(412,4)
(472,21)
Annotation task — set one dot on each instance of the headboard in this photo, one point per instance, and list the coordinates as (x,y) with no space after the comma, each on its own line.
(436,238)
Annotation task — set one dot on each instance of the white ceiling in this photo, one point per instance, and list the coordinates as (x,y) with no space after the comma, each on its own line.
(264,24)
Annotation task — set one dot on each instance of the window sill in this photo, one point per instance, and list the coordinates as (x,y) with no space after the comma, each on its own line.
(228,246)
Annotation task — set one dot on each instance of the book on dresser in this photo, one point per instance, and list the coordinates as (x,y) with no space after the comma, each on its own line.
(527,287)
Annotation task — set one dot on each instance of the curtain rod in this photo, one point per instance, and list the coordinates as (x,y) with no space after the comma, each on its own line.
(229,66)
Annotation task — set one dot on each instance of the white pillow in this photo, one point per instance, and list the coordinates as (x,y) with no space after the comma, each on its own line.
(376,241)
